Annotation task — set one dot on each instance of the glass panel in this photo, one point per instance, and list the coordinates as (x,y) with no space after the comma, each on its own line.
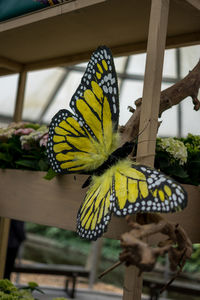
(8,88)
(169,67)
(38,88)
(190,118)
(168,126)
(137,64)
(119,63)
(169,118)
(131,91)
(64,95)
(189,58)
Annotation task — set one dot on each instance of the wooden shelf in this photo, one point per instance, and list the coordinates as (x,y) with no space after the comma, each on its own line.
(66,34)
(27,196)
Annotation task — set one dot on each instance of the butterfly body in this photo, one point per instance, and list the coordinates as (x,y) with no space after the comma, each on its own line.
(86,141)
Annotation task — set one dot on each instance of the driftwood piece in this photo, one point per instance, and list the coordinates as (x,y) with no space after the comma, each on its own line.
(136,251)
(188,86)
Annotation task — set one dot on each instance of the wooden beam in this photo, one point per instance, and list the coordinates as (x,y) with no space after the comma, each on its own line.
(20,97)
(149,113)
(55,203)
(46,13)
(93,261)
(4,233)
(152,82)
(5,222)
(10,65)
(118,50)
(194,3)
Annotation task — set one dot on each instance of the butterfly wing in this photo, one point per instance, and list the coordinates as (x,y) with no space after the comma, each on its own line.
(139,188)
(124,189)
(99,78)
(81,141)
(95,211)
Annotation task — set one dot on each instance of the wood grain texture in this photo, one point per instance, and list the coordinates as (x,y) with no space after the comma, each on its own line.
(10,65)
(68,33)
(46,13)
(19,102)
(27,196)
(132,284)
(152,82)
(149,114)
(4,232)
(194,3)
(5,222)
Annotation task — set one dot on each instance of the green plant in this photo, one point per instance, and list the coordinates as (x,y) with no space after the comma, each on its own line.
(179,158)
(9,292)
(23,146)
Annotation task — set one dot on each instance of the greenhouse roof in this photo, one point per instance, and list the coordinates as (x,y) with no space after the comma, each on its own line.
(49,90)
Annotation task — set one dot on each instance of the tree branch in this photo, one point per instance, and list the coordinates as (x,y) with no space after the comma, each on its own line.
(139,253)
(188,86)
(136,251)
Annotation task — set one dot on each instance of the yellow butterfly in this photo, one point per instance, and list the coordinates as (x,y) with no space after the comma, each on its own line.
(86,141)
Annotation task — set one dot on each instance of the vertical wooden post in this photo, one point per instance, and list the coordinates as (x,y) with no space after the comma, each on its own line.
(4,231)
(149,113)
(20,97)
(5,222)
(152,81)
(93,261)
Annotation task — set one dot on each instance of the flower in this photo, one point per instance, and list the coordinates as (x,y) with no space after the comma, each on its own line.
(23,131)
(13,128)
(6,133)
(176,148)
(44,139)
(34,136)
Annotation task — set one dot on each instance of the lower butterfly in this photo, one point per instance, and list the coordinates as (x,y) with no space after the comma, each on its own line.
(123,189)
(86,141)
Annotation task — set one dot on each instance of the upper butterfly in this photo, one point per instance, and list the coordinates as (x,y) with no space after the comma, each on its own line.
(86,141)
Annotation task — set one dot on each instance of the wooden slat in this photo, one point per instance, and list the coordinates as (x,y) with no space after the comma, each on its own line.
(119,50)
(27,196)
(152,83)
(58,39)
(194,3)
(132,284)
(10,65)
(4,232)
(46,13)
(149,113)
(20,97)
(5,222)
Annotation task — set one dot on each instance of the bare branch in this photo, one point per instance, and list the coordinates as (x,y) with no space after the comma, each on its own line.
(137,252)
(188,86)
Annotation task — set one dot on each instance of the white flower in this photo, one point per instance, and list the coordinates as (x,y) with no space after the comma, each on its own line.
(176,148)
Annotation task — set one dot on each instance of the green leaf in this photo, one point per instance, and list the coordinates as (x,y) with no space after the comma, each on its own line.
(43,165)
(50,174)
(3,157)
(32,284)
(180,172)
(27,163)
(33,126)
